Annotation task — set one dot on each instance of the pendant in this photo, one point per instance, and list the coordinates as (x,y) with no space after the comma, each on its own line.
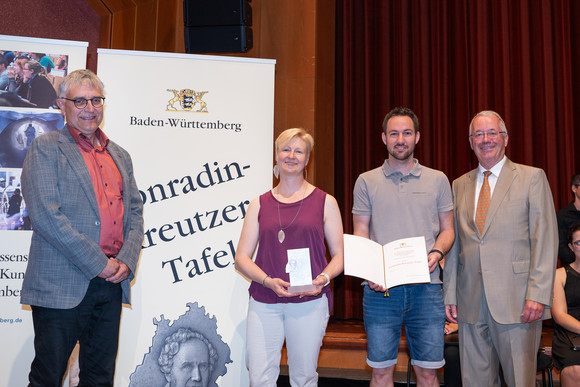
(281,236)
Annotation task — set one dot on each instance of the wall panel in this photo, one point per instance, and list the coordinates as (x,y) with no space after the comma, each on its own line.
(170,27)
(123,29)
(146,24)
(299,34)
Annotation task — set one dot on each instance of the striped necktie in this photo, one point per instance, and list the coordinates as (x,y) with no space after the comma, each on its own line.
(483,203)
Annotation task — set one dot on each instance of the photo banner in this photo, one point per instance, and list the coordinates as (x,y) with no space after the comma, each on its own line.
(25,113)
(200,132)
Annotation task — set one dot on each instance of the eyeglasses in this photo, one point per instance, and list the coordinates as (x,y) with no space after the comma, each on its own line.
(492,134)
(81,103)
(576,243)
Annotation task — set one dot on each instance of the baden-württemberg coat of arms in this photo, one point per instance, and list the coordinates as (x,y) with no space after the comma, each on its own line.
(189,101)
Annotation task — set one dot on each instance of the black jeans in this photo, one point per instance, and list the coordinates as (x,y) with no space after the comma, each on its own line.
(94,323)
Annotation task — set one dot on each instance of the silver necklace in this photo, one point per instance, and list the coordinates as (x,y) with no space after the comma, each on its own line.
(281,234)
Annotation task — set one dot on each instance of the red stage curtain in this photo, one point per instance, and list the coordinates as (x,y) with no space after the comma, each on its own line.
(448,60)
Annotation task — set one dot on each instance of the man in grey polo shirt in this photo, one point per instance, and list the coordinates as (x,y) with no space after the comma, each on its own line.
(403,199)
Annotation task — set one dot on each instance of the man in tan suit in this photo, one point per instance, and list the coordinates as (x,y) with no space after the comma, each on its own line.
(499,277)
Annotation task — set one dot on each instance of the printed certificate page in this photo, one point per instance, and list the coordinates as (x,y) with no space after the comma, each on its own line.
(363,258)
(405,260)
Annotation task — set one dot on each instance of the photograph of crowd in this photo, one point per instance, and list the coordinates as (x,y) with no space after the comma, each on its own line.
(30,79)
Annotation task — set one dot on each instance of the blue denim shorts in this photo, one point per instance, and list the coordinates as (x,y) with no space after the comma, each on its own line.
(421,309)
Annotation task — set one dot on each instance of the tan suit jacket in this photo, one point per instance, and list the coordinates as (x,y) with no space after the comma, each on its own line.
(514,259)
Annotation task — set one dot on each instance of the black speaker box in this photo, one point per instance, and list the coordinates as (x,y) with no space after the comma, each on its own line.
(217,26)
(200,40)
(201,13)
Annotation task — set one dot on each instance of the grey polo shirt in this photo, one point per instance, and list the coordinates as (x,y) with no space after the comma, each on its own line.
(403,206)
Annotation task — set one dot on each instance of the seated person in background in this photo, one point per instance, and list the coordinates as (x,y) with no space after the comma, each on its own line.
(9,56)
(567,217)
(61,63)
(15,75)
(566,314)
(3,73)
(44,60)
(452,368)
(37,88)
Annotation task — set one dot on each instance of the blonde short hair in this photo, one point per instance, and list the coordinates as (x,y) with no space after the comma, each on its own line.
(289,134)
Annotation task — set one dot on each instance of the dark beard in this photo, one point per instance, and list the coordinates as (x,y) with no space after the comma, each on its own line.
(406,156)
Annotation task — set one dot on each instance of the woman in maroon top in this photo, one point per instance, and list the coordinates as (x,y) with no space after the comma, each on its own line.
(288,225)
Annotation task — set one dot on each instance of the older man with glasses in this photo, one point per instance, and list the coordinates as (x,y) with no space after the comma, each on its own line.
(86,214)
(499,274)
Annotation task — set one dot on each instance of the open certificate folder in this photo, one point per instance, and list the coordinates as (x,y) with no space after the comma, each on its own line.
(400,262)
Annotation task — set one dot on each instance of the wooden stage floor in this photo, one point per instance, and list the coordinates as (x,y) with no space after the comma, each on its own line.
(343,353)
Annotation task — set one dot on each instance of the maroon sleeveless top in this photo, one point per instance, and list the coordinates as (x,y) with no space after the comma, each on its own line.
(307,230)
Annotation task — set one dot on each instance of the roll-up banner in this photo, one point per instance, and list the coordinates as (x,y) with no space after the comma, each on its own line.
(200,133)
(26,112)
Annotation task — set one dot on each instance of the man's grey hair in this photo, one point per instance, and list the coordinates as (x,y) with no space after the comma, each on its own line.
(172,345)
(79,77)
(489,113)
